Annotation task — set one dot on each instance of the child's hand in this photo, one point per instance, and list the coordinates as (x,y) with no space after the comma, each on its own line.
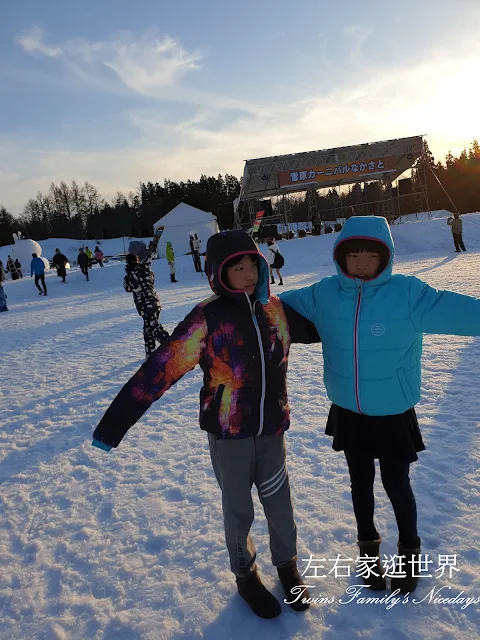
(101,445)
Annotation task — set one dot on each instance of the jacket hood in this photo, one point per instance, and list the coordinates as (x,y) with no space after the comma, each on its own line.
(223,246)
(366,228)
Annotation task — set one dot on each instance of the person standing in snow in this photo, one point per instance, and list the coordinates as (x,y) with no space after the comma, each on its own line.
(195,244)
(60,263)
(83,262)
(98,254)
(3,297)
(276,261)
(18,267)
(37,267)
(140,281)
(372,324)
(457,229)
(171,261)
(241,339)
(12,269)
(89,255)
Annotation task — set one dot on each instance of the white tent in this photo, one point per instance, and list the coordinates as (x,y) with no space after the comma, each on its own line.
(180,223)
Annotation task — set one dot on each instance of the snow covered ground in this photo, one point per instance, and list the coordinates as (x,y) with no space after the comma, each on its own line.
(129,545)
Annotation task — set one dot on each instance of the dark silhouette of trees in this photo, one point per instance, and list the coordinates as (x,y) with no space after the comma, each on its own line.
(79,211)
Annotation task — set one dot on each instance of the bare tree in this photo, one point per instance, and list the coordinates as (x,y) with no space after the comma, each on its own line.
(66,197)
(93,198)
(56,198)
(79,201)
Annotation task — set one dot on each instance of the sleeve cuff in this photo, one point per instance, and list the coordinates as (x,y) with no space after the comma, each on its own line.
(101,445)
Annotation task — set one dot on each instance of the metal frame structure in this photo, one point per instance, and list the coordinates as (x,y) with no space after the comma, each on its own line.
(261,178)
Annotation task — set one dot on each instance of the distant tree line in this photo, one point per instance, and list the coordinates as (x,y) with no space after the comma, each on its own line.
(80,211)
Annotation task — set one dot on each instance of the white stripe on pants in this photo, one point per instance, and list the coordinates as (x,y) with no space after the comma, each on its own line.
(238,465)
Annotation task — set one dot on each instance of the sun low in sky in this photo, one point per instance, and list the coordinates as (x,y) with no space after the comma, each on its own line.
(116,93)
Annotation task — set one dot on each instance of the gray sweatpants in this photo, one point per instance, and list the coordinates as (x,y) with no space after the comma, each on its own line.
(238,464)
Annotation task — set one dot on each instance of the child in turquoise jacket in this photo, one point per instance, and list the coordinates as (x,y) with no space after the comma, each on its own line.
(372,323)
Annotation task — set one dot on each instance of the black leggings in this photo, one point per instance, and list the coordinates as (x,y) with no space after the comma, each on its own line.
(396,481)
(42,280)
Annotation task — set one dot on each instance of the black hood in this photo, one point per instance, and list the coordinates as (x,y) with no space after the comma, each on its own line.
(225,245)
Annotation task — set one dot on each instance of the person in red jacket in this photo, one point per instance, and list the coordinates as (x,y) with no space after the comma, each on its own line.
(241,339)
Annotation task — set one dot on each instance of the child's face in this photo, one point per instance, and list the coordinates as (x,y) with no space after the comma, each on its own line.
(363,265)
(243,275)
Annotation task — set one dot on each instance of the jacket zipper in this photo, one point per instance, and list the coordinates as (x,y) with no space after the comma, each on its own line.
(262,359)
(355,349)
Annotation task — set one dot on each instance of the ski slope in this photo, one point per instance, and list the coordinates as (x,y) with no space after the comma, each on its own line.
(129,545)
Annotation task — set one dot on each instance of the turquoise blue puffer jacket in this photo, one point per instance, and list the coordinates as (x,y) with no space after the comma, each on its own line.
(372,331)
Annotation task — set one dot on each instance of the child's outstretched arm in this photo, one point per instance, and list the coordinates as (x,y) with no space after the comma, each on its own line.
(447,312)
(301,330)
(172,360)
(303,301)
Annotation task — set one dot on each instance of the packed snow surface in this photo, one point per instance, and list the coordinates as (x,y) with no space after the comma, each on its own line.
(129,544)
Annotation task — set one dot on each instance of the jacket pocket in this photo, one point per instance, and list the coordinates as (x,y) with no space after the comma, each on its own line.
(405,386)
(209,419)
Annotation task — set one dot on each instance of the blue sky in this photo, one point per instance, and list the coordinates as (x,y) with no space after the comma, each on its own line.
(116,91)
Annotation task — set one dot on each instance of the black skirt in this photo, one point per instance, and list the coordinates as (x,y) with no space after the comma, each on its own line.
(397,436)
(278,261)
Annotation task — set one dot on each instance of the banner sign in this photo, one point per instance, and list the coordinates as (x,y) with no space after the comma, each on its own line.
(257,222)
(344,171)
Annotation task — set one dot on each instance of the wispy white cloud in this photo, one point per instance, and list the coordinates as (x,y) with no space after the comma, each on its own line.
(149,64)
(145,64)
(32,41)
(425,98)
(355,37)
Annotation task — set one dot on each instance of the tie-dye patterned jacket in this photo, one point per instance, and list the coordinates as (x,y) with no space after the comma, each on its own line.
(242,348)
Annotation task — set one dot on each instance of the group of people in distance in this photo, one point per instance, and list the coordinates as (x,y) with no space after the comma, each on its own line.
(371,324)
(85,260)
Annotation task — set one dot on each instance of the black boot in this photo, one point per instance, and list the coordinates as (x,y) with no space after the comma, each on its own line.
(258,597)
(172,278)
(290,578)
(272,280)
(410,565)
(281,282)
(371,549)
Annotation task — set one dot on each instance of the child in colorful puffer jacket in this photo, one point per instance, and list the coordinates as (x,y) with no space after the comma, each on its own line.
(371,323)
(241,338)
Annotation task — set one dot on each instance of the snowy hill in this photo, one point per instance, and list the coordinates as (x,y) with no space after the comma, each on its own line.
(129,545)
